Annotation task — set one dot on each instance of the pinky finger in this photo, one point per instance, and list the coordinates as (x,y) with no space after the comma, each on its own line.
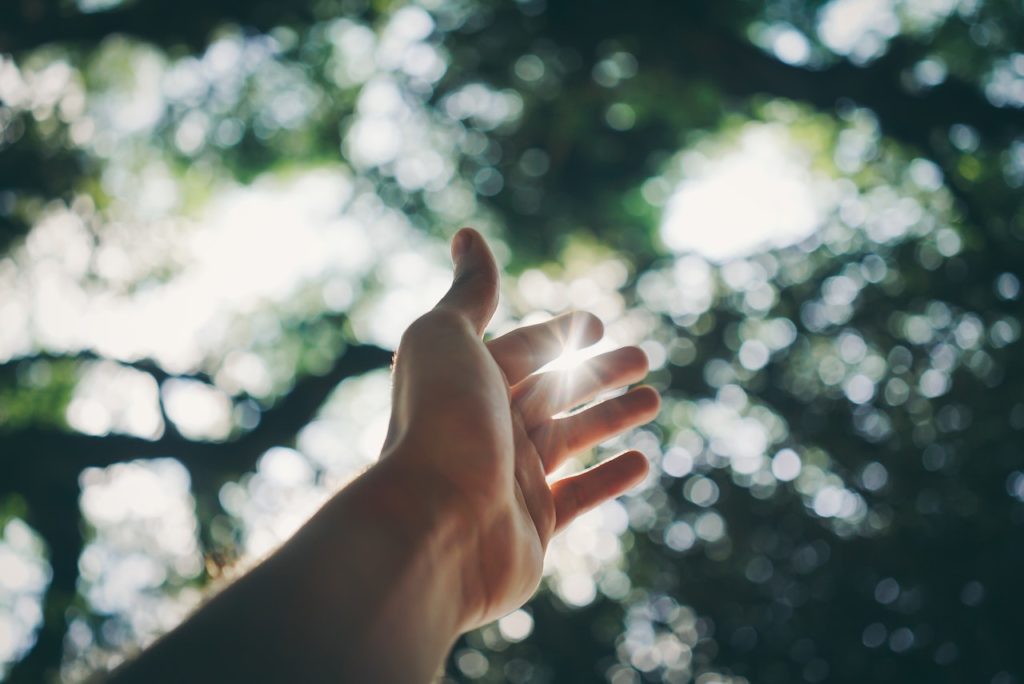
(577,494)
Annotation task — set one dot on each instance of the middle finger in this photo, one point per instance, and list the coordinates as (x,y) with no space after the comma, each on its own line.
(541,396)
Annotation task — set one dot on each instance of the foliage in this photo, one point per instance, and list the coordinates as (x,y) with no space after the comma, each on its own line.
(838,486)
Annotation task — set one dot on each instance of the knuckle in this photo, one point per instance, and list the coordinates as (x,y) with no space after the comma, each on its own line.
(480,282)
(446,319)
(528,343)
(417,329)
(438,321)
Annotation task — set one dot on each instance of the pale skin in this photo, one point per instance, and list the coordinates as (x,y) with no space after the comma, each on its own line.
(448,531)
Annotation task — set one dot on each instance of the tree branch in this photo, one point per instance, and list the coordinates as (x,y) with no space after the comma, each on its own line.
(740,69)
(149,366)
(63,455)
(162,22)
(685,42)
(53,513)
(43,466)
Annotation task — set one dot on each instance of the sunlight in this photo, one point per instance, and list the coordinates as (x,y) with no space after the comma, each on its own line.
(143,553)
(757,196)
(212,242)
(573,357)
(860,29)
(24,575)
(575,354)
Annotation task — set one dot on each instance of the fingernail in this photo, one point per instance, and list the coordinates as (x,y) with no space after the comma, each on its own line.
(461,243)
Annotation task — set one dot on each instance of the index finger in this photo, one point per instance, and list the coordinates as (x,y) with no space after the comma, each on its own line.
(526,349)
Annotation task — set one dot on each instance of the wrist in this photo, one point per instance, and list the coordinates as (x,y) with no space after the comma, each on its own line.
(377,570)
(422,513)
(368,586)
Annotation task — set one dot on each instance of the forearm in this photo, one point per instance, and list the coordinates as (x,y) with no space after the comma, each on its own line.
(368,590)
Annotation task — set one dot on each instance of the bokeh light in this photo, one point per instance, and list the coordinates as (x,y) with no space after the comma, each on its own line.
(807,215)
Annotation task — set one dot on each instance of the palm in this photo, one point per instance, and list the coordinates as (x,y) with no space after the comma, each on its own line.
(501,438)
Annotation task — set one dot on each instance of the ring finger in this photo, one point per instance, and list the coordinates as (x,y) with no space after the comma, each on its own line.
(560,438)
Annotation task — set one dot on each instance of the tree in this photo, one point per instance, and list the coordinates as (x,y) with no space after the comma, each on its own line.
(839,485)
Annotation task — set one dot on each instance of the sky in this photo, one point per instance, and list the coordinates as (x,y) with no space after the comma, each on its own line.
(757,194)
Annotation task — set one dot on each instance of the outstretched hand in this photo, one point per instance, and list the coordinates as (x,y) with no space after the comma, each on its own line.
(448,531)
(476,426)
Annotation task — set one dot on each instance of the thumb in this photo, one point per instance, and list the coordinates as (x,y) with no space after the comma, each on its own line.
(474,290)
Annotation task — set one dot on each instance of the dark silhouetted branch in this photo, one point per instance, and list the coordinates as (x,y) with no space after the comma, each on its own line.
(684,42)
(62,455)
(53,513)
(148,366)
(164,22)
(740,69)
(43,466)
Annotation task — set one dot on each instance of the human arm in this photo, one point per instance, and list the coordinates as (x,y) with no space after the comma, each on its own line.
(448,531)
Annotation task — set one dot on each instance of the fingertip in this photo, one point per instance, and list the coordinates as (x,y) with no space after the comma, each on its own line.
(648,399)
(462,241)
(636,360)
(474,290)
(579,493)
(635,467)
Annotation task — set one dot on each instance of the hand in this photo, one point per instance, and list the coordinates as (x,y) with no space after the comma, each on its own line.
(449,530)
(473,426)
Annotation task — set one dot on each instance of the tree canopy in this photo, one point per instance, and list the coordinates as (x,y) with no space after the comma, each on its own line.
(217,217)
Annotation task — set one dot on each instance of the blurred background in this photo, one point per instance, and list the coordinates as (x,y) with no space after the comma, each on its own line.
(216,218)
